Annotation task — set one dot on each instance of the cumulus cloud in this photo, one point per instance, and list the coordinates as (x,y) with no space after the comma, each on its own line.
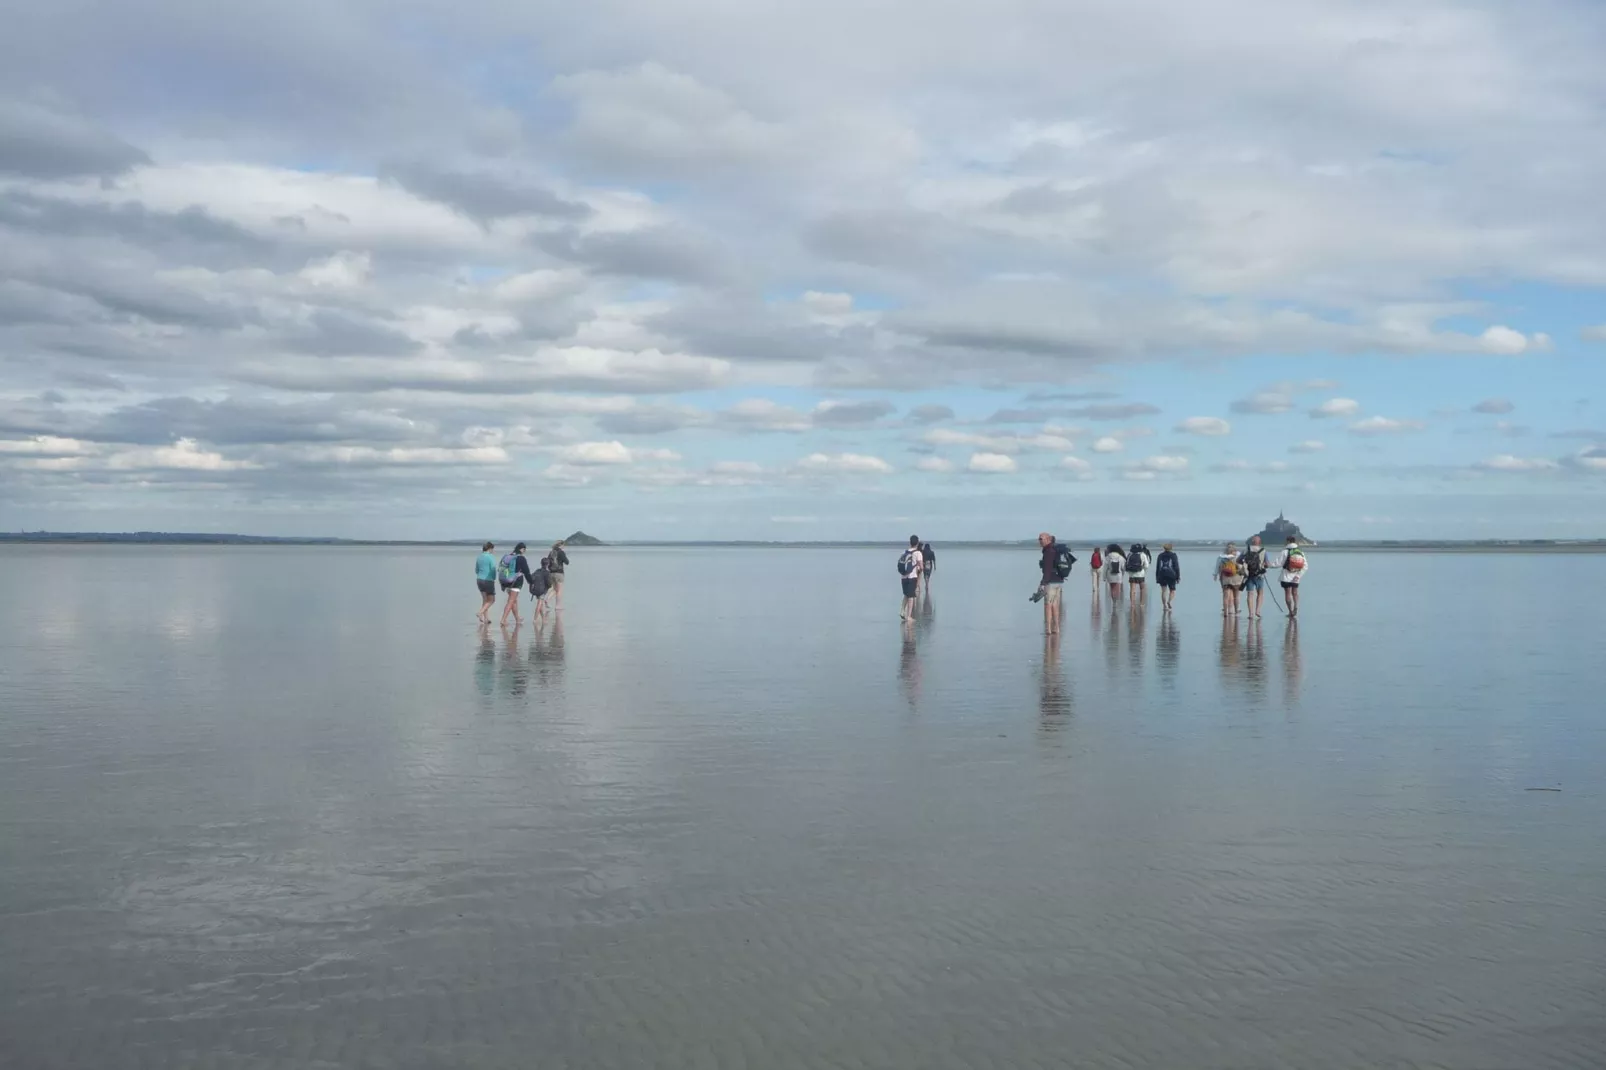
(1077,467)
(1505,462)
(611,453)
(992,464)
(1107,444)
(930,414)
(844,464)
(934,464)
(1208,426)
(1383,425)
(1309,445)
(1494,406)
(1594,334)
(1336,407)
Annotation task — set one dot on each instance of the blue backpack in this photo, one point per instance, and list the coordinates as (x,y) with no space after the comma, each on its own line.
(906,564)
(508,568)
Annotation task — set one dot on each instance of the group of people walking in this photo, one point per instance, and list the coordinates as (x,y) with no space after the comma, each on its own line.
(1242,576)
(512,572)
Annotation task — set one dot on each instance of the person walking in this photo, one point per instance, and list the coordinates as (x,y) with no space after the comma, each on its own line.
(1137,571)
(541,589)
(485,580)
(1056,565)
(1294,568)
(512,571)
(1227,567)
(1167,573)
(911,566)
(928,558)
(1253,560)
(1095,568)
(559,564)
(1114,564)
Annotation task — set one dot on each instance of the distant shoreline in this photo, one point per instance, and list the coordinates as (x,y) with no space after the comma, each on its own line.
(156,538)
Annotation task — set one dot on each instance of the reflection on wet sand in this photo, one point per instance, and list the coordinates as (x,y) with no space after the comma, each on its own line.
(546,653)
(1291,666)
(1136,648)
(909,664)
(1054,697)
(1168,649)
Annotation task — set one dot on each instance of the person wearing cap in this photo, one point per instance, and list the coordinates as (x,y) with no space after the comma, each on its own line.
(513,571)
(1294,568)
(1253,560)
(1228,572)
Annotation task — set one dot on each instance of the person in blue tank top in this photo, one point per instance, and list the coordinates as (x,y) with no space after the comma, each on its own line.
(485,580)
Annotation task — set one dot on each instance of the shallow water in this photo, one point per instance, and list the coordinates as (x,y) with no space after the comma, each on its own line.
(286,807)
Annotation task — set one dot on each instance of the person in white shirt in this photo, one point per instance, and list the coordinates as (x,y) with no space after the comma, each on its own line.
(1114,565)
(1295,565)
(910,567)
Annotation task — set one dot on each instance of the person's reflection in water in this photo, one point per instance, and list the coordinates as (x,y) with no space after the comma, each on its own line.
(546,654)
(928,612)
(1254,667)
(1168,649)
(485,662)
(1291,666)
(1112,643)
(1229,655)
(1054,698)
(909,669)
(515,675)
(1136,648)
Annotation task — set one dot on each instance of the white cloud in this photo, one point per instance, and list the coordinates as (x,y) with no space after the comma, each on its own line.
(844,463)
(342,271)
(1592,458)
(1078,467)
(1505,462)
(934,464)
(1310,445)
(1594,334)
(1165,463)
(1209,426)
(185,454)
(1506,342)
(1336,407)
(46,445)
(1494,406)
(992,464)
(592,454)
(1107,444)
(1383,425)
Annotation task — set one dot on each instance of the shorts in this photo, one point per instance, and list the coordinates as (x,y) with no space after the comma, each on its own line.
(516,585)
(1136,579)
(1052,592)
(1255,583)
(1169,585)
(557,579)
(486,586)
(911,584)
(1290,586)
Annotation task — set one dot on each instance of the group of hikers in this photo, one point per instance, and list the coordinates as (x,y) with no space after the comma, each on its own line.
(1242,576)
(512,572)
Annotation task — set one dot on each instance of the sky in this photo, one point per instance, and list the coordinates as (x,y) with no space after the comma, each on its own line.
(690,269)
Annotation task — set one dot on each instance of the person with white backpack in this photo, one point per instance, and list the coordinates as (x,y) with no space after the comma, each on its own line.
(911,566)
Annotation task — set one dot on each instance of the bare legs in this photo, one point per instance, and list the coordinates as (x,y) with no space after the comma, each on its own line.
(487,602)
(512,605)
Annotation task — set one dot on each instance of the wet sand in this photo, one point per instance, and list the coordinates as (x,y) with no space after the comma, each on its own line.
(732,814)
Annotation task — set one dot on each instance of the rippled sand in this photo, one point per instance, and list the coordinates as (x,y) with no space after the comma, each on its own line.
(732,815)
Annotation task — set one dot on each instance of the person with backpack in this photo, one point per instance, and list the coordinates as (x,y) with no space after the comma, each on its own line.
(911,566)
(485,580)
(1229,572)
(1095,566)
(560,563)
(1137,571)
(1114,565)
(1167,573)
(1294,567)
(1253,560)
(512,571)
(1055,565)
(541,589)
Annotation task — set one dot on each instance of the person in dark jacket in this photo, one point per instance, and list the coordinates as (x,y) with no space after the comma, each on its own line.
(541,589)
(513,571)
(558,562)
(928,559)
(1167,573)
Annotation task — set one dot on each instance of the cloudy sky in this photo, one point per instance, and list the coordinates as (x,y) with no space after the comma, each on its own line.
(698,268)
